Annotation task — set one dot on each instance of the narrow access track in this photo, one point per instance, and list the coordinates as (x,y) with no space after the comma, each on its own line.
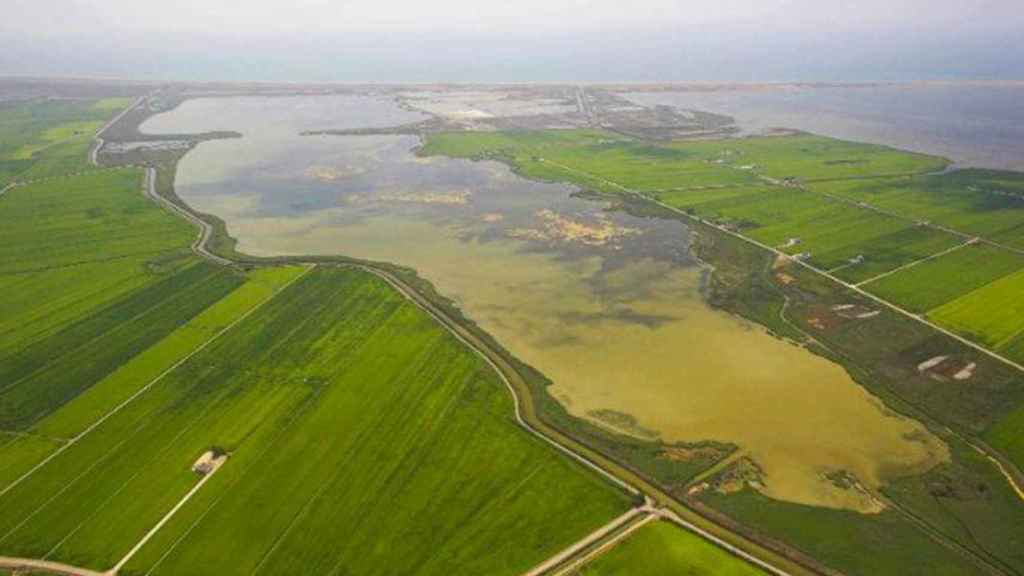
(589,555)
(167,517)
(915,262)
(551,564)
(30,565)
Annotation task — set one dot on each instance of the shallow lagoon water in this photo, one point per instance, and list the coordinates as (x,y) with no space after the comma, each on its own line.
(607,305)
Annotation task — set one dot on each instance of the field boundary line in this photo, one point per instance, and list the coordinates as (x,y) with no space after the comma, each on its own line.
(74,440)
(970,242)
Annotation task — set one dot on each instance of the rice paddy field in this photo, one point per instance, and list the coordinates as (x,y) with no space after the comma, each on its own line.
(94,274)
(355,426)
(660,548)
(993,314)
(931,284)
(984,203)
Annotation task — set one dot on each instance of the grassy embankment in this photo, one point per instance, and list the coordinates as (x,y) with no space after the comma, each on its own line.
(966,498)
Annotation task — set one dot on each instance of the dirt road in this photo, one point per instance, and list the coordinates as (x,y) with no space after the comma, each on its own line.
(31,565)
(205,230)
(594,537)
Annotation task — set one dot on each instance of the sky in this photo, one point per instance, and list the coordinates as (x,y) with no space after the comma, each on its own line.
(515,41)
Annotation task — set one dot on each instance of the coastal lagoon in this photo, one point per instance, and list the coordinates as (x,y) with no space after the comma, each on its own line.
(607,305)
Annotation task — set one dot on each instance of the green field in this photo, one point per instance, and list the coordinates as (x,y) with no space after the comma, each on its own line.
(663,549)
(986,203)
(1007,436)
(354,423)
(93,274)
(992,315)
(25,450)
(888,252)
(40,139)
(931,284)
(51,371)
(807,157)
(90,218)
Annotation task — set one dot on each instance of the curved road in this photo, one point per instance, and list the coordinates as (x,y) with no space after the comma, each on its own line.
(205,230)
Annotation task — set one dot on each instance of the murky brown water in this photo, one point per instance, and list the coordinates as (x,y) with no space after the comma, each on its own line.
(605,304)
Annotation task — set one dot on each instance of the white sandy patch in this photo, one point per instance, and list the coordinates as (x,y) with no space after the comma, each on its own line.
(931,363)
(965,372)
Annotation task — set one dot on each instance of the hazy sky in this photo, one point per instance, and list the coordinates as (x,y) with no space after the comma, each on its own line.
(515,40)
